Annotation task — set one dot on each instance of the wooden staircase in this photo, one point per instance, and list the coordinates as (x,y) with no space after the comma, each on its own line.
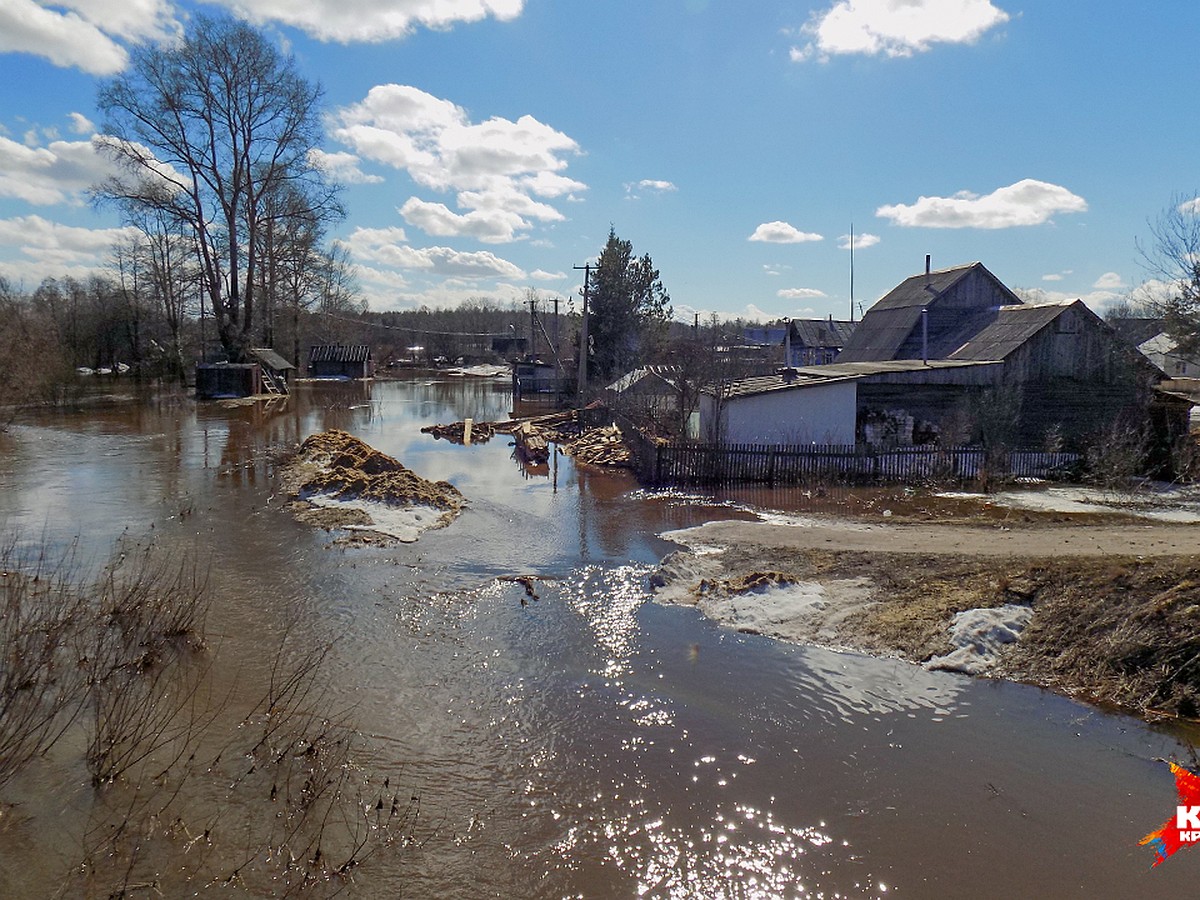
(273,384)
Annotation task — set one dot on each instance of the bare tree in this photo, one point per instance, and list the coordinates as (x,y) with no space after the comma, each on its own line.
(1173,258)
(209,131)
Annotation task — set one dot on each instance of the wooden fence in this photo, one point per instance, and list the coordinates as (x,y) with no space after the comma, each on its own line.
(687,463)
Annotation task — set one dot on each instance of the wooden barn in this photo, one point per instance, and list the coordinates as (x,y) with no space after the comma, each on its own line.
(348,361)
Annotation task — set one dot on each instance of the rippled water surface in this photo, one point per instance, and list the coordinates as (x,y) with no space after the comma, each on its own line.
(590,742)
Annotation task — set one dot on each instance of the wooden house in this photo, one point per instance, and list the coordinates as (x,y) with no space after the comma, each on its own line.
(1150,337)
(348,361)
(817,342)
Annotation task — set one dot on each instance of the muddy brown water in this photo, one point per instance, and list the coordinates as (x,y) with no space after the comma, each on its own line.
(591,742)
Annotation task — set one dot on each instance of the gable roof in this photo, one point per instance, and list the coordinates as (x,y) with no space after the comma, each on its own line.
(1014,325)
(644,376)
(918,290)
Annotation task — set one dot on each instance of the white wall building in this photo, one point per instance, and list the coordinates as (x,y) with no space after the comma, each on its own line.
(779,410)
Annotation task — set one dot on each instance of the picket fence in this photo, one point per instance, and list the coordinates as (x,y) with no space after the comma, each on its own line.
(689,463)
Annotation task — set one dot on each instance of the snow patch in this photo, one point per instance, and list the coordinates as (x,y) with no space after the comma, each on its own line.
(405,524)
(979,636)
(800,612)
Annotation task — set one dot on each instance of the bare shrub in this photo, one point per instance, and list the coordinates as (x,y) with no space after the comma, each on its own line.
(1116,453)
(42,612)
(144,662)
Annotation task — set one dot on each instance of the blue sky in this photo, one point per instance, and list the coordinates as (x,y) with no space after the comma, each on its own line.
(488,145)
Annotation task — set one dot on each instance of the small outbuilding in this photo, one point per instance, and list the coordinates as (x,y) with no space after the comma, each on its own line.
(346,361)
(276,371)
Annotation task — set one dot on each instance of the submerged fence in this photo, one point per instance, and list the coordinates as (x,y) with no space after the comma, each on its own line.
(687,463)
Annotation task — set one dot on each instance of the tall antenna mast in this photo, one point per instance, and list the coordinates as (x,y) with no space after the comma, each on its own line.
(851,272)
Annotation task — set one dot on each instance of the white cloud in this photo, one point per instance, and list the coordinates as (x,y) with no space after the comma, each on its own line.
(1190,206)
(501,171)
(342,167)
(1054,277)
(543,275)
(58,173)
(861,241)
(84,34)
(46,249)
(81,124)
(389,247)
(495,226)
(1027,202)
(895,27)
(1109,281)
(634,190)
(782,233)
(799,293)
(348,21)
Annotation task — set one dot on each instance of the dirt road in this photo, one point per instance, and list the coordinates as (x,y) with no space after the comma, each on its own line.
(960,540)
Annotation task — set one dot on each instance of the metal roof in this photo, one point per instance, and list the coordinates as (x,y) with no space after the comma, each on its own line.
(834,373)
(1014,325)
(351,353)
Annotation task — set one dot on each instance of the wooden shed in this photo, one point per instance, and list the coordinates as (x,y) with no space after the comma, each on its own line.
(347,361)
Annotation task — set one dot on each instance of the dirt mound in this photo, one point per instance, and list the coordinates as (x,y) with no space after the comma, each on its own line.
(337,464)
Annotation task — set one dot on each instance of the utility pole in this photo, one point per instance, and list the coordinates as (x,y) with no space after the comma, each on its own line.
(583,333)
(532,326)
(851,272)
(556,344)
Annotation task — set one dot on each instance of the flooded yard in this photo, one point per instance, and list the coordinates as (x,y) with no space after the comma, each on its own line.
(583,742)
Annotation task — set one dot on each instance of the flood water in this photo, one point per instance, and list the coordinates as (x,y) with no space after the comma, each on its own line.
(589,743)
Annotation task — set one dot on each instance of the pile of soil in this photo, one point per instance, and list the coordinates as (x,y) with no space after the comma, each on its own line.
(337,464)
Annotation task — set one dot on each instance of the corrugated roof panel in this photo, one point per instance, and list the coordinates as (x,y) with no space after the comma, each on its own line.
(351,353)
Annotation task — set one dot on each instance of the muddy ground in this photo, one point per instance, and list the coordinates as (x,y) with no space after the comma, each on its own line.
(1115,600)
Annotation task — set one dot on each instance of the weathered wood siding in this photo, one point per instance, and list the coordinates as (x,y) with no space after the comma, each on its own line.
(969,305)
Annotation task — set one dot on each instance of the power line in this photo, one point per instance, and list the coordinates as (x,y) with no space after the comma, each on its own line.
(413,330)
